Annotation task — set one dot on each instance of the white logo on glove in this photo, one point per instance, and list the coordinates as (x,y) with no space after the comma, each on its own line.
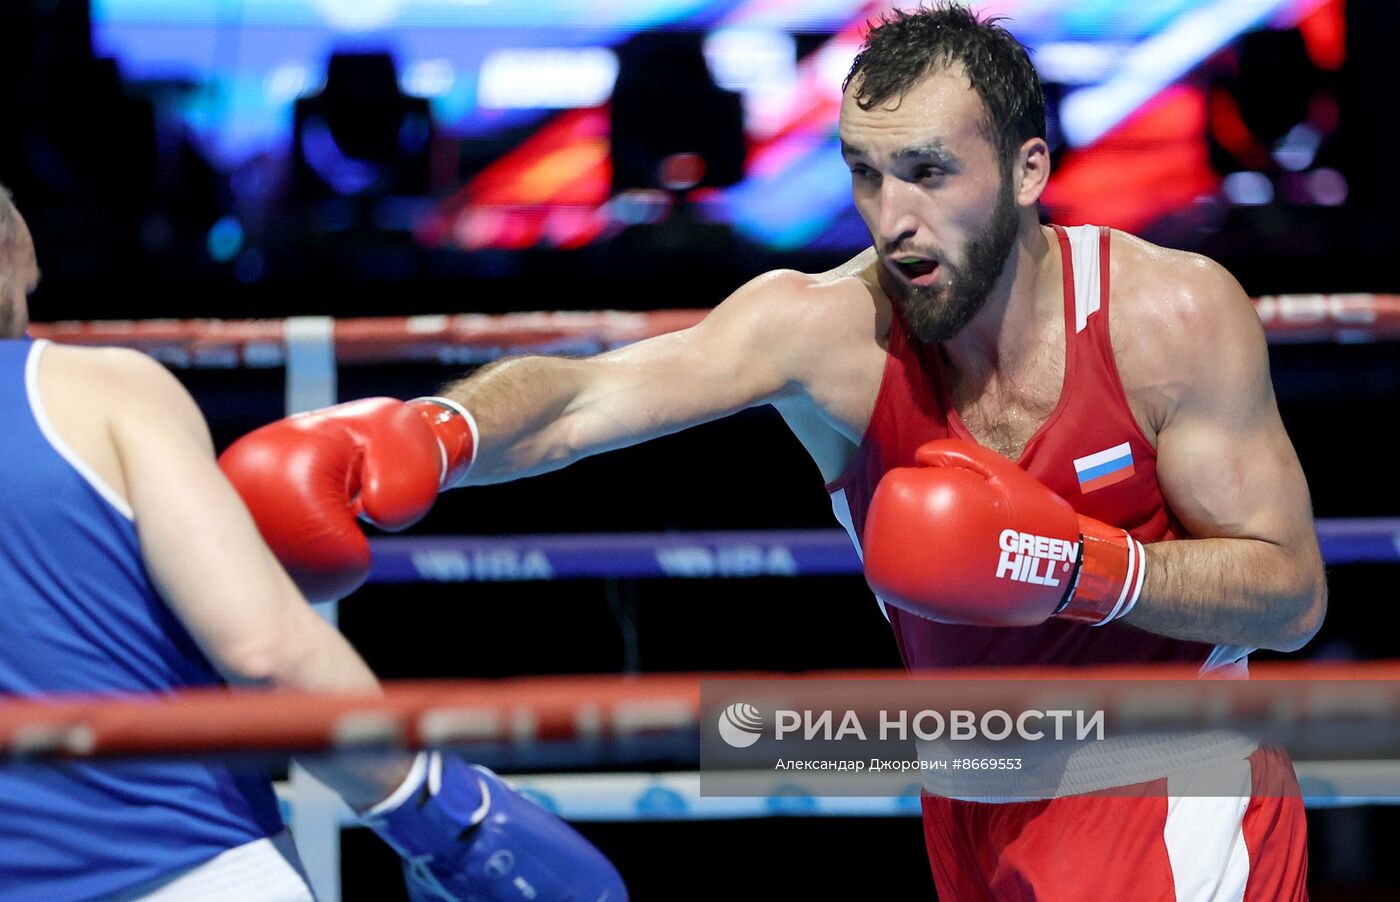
(1028,558)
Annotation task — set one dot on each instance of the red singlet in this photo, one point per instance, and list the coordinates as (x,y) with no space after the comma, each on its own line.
(1090,839)
(1090,452)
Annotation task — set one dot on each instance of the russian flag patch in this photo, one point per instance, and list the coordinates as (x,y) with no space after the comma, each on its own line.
(1104,468)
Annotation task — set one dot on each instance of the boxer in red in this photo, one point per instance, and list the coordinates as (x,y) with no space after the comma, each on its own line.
(1053,446)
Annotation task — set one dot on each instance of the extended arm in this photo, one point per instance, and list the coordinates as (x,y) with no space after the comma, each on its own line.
(537,414)
(1251,574)
(310,479)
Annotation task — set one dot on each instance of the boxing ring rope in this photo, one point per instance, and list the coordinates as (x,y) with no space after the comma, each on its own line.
(477,338)
(544,723)
(676,796)
(706,555)
(602,718)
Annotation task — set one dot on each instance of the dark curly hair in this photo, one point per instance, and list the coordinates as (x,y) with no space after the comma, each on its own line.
(905,46)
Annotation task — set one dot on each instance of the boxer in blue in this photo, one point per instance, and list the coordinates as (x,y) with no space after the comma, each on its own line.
(128,565)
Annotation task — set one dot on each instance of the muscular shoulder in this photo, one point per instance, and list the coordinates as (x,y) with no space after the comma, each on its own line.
(111,374)
(820,340)
(805,317)
(1166,287)
(1179,322)
(835,298)
(118,385)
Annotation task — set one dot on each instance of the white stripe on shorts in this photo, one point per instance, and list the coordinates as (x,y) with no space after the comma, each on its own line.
(1205,832)
(265,870)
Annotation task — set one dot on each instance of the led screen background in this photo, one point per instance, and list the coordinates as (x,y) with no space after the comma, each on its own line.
(193,159)
(1141,94)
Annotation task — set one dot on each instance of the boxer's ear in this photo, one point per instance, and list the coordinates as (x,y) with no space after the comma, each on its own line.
(1030,172)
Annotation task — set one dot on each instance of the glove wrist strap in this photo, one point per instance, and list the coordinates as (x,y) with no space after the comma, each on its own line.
(1109,577)
(456,433)
(417,818)
(417,773)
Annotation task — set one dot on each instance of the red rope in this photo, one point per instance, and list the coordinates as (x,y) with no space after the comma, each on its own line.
(475,338)
(542,709)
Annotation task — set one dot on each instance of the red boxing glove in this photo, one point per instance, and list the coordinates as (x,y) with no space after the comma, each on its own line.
(966,536)
(306,478)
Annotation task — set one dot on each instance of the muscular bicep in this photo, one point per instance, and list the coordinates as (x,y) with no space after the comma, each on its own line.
(1232,479)
(1225,463)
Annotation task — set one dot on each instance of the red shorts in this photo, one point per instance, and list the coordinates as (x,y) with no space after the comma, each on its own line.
(1147,846)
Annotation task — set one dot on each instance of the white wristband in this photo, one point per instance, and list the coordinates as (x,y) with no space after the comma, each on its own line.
(471,426)
(417,773)
(1137,560)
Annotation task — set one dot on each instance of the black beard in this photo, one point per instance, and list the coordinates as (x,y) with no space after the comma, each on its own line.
(939,312)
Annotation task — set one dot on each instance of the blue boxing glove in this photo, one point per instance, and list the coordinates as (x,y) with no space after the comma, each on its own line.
(465,835)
